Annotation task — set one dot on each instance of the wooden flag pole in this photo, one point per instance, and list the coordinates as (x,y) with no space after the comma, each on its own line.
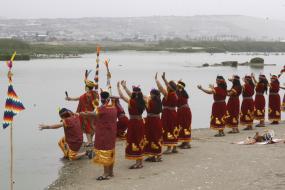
(11,159)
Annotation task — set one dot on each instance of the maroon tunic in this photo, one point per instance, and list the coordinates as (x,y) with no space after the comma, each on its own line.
(169,119)
(233,108)
(86,103)
(153,130)
(106,128)
(184,118)
(247,106)
(219,109)
(274,102)
(73,132)
(259,102)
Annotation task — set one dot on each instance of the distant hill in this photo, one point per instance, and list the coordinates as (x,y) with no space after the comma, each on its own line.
(227,27)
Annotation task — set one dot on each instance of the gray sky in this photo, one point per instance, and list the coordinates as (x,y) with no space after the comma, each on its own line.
(274,9)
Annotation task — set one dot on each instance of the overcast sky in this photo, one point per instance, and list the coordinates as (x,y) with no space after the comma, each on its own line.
(274,9)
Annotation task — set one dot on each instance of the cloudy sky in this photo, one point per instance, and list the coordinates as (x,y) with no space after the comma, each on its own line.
(274,9)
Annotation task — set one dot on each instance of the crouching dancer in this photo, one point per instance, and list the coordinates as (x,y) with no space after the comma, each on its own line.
(105,136)
(73,136)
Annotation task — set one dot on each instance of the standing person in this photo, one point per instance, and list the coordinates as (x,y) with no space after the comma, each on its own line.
(247,106)
(184,116)
(123,120)
(169,114)
(87,102)
(153,127)
(261,87)
(233,105)
(135,132)
(105,136)
(219,106)
(73,137)
(274,109)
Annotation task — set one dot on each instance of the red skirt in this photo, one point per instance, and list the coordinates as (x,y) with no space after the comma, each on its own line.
(218,116)
(122,126)
(232,115)
(170,128)
(135,139)
(153,134)
(247,111)
(274,107)
(87,125)
(259,107)
(184,120)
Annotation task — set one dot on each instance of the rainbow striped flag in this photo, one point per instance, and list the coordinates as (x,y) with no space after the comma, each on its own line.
(12,107)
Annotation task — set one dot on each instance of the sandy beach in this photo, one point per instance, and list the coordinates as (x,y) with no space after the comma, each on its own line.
(211,163)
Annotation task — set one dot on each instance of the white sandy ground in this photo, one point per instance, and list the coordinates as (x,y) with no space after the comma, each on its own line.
(212,163)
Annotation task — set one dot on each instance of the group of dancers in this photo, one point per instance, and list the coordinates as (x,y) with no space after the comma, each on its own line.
(168,117)
(231,114)
(167,122)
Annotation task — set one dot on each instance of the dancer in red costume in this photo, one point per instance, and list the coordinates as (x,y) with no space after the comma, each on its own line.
(247,106)
(184,116)
(261,87)
(169,114)
(233,105)
(135,133)
(219,107)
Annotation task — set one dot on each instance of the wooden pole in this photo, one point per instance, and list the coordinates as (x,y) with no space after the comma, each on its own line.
(11,158)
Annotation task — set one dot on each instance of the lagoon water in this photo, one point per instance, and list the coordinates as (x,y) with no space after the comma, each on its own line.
(41,85)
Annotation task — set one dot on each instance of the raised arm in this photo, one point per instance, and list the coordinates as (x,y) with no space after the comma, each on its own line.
(89,114)
(211,91)
(72,99)
(55,126)
(124,85)
(160,87)
(121,93)
(254,79)
(231,92)
(165,81)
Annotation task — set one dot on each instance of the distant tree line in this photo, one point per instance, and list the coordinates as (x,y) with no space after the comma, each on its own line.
(27,50)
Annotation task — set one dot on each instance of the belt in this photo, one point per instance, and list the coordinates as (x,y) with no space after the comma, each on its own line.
(169,108)
(258,93)
(153,115)
(138,117)
(247,98)
(121,115)
(184,106)
(271,93)
(219,101)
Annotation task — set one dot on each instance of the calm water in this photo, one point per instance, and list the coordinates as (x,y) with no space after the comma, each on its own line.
(41,85)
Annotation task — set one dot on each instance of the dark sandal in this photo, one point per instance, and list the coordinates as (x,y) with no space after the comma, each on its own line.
(186,147)
(101,178)
(136,166)
(247,129)
(174,151)
(167,152)
(149,159)
(158,160)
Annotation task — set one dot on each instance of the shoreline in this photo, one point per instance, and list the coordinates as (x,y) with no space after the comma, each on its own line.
(211,163)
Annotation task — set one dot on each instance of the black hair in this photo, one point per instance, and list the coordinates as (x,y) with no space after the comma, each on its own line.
(264,81)
(183,93)
(138,97)
(158,103)
(236,83)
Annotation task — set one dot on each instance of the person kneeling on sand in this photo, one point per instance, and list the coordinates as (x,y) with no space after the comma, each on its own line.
(105,137)
(71,143)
